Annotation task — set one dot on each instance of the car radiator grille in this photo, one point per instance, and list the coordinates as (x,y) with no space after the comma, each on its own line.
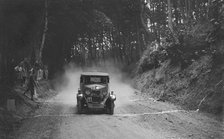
(96,99)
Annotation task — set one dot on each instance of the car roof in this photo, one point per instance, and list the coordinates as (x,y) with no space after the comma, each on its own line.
(94,74)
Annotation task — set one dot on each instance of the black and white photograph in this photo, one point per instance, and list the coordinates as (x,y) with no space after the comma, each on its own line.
(111,69)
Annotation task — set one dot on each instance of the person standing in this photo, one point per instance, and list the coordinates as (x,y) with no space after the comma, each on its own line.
(46,72)
(39,74)
(31,86)
(24,76)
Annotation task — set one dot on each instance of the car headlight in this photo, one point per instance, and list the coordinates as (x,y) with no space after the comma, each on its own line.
(113,97)
(87,92)
(80,95)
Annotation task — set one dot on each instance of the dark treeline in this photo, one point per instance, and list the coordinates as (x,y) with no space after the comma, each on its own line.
(87,32)
(55,32)
(20,29)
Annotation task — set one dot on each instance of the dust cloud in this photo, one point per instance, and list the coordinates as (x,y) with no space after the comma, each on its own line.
(69,84)
(121,87)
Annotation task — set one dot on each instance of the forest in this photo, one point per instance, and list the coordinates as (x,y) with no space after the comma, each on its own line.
(167,58)
(90,32)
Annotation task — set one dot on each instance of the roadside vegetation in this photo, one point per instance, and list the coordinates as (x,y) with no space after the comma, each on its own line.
(173,48)
(186,66)
(13,114)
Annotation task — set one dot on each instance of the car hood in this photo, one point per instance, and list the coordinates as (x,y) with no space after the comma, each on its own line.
(95,86)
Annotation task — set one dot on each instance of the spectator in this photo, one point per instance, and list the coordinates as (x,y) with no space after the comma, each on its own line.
(45,72)
(18,70)
(31,86)
(39,74)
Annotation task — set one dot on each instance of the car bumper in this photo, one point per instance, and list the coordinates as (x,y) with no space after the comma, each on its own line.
(95,106)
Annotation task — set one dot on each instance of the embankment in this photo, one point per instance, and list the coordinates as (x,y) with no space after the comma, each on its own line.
(15,106)
(197,87)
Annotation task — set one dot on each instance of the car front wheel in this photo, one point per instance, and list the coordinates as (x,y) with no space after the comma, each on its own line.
(79,107)
(110,109)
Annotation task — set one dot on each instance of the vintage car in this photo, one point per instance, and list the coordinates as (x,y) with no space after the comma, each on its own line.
(94,93)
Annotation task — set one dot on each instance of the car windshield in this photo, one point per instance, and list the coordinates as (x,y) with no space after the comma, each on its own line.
(95,79)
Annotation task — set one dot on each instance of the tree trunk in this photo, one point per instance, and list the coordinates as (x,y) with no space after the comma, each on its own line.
(208,8)
(142,8)
(44,32)
(139,49)
(102,46)
(176,13)
(170,16)
(182,16)
(189,11)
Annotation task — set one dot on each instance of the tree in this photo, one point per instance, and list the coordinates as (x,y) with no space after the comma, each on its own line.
(44,32)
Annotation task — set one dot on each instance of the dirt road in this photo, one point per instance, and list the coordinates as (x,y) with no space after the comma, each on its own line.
(135,117)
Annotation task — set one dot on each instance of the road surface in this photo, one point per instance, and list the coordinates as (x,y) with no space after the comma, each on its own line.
(136,117)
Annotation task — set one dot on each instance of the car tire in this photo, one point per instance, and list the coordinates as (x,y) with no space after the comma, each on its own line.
(79,107)
(111,108)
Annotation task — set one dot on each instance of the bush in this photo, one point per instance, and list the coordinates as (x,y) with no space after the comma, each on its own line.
(193,42)
(153,56)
